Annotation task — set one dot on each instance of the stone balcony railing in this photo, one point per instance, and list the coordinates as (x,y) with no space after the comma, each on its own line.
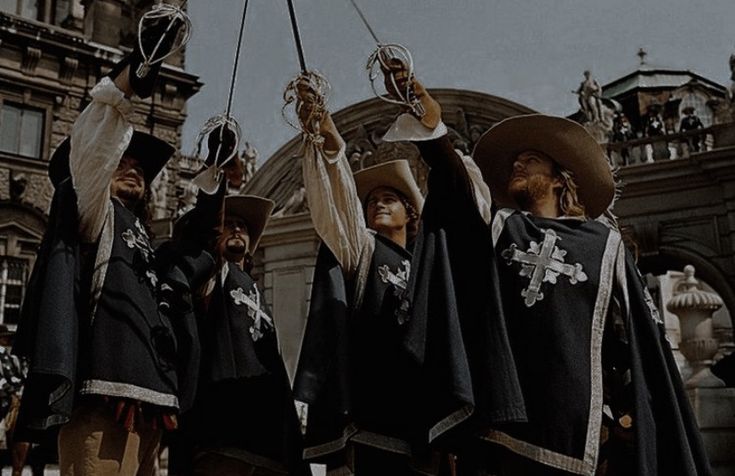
(671,146)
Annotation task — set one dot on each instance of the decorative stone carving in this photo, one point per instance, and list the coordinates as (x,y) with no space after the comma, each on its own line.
(590,98)
(170,91)
(596,113)
(463,134)
(694,307)
(187,197)
(4,184)
(297,203)
(189,163)
(731,91)
(18,184)
(249,162)
(159,192)
(466,114)
(31,57)
(68,67)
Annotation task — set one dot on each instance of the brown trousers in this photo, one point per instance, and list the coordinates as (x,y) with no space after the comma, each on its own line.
(92,443)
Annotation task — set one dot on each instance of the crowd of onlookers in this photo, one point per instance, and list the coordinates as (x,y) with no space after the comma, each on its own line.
(653,125)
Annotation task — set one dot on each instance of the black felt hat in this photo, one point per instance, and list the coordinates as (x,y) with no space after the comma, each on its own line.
(254,211)
(151,152)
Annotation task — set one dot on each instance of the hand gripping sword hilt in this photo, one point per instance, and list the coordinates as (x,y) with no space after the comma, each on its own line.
(384,59)
(222,148)
(167,43)
(309,93)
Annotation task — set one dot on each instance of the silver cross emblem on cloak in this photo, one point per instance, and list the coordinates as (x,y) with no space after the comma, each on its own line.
(543,263)
(140,241)
(252,301)
(398,279)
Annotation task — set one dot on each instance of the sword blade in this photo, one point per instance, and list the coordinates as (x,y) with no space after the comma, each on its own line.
(296,35)
(365,22)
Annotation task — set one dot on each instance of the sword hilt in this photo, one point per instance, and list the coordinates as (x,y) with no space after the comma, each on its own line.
(395,60)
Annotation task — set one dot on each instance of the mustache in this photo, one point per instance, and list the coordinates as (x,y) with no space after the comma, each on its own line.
(130,176)
(236,236)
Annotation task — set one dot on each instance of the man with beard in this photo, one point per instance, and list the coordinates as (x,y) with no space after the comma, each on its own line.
(600,390)
(102,354)
(243,420)
(366,392)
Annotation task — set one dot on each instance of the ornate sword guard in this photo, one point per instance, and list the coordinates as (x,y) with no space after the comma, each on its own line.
(309,93)
(161,12)
(221,149)
(384,59)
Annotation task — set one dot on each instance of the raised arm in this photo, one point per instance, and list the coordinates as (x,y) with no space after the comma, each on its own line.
(330,189)
(99,137)
(454,176)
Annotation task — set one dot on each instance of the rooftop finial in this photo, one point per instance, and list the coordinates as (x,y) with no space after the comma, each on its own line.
(642,55)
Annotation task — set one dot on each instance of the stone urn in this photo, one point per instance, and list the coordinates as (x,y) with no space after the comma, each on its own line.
(695,307)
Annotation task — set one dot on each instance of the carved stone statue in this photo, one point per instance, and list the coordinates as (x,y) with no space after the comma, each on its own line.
(159,192)
(296,204)
(731,91)
(18,185)
(249,161)
(590,98)
(187,198)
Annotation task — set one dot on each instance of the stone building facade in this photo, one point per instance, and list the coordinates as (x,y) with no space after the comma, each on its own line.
(52,53)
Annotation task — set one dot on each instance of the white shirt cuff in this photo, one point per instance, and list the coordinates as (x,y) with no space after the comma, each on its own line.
(407,128)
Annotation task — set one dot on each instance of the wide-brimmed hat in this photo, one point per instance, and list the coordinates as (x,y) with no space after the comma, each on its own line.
(395,174)
(565,141)
(254,211)
(151,152)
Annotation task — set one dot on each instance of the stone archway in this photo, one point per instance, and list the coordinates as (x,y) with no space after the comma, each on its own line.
(467,115)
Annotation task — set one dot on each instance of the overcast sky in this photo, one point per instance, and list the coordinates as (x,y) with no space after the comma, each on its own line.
(529,51)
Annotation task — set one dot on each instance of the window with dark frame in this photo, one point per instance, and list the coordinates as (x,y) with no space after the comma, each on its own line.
(21,130)
(13,277)
(48,11)
(31,9)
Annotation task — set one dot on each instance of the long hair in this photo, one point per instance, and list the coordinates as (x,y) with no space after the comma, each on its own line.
(569,203)
(412,227)
(143,209)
